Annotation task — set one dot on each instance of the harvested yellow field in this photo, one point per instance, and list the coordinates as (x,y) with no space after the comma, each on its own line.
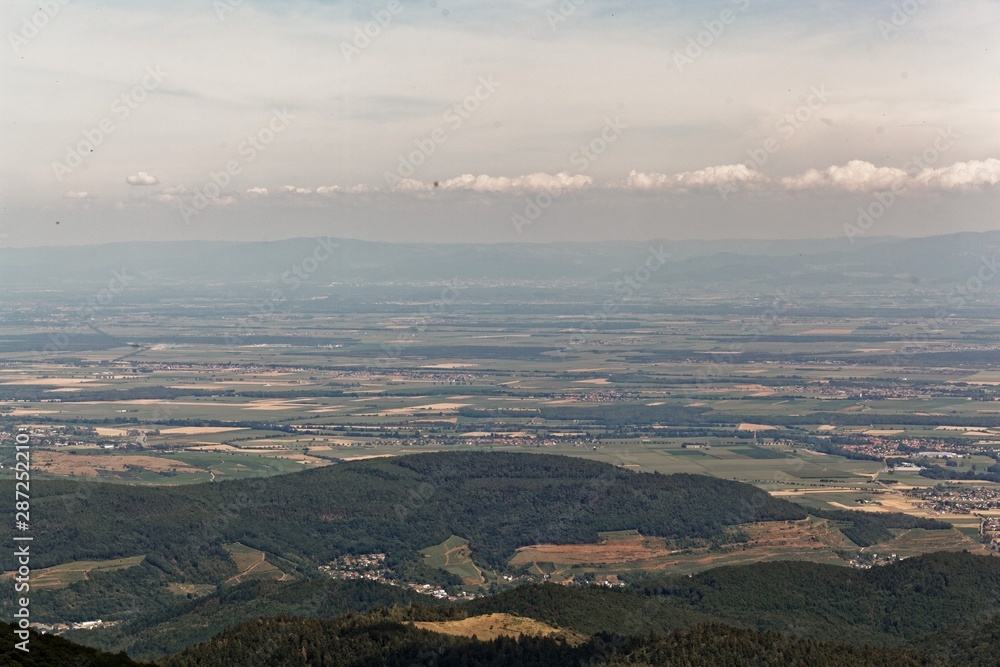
(366,456)
(61,576)
(746,426)
(199,430)
(213,448)
(54,382)
(827,332)
(612,552)
(491,626)
(88,465)
(267,404)
(113,432)
(809,539)
(413,409)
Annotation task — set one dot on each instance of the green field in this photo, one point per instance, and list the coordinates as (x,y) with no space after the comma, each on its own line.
(61,576)
(252,564)
(453,556)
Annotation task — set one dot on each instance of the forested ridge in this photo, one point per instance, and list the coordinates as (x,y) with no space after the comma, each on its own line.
(497,501)
(935,609)
(378,639)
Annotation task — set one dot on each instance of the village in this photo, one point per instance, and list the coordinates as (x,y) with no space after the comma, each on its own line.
(372,567)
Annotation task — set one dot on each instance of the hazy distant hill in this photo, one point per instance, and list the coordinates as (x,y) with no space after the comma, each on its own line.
(213,265)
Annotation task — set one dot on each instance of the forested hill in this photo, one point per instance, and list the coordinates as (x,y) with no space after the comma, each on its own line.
(52,651)
(497,501)
(382,638)
(934,609)
(183,536)
(378,639)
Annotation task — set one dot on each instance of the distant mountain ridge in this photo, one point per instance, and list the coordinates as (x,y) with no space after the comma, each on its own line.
(215,264)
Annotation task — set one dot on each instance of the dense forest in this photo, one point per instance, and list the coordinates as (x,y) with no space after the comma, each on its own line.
(178,624)
(53,651)
(930,610)
(379,639)
(941,604)
(497,501)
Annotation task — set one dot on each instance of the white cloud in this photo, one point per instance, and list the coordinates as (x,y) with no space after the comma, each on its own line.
(855,176)
(731,175)
(536,182)
(727,174)
(962,175)
(142,178)
(641,181)
(72,194)
(484,183)
(349,190)
(861,176)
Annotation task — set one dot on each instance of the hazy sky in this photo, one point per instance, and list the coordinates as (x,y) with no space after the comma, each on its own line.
(498,121)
